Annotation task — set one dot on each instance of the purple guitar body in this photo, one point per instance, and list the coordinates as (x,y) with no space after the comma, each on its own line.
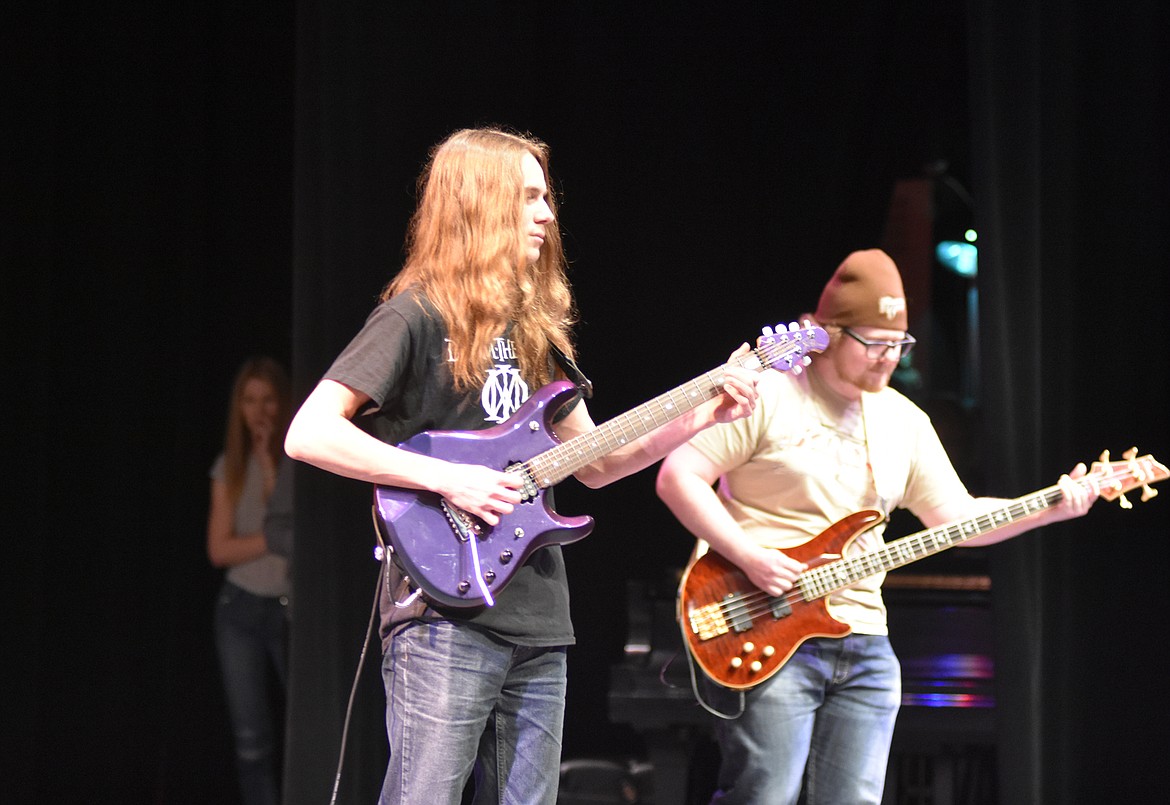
(458,560)
(432,549)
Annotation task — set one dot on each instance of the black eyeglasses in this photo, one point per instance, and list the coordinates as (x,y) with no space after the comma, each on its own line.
(876,350)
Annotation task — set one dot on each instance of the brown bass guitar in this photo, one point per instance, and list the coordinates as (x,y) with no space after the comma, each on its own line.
(740,636)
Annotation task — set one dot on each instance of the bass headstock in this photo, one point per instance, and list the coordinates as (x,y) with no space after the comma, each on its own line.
(1115,478)
(790,347)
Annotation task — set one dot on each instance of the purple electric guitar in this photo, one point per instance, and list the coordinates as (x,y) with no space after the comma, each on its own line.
(459,561)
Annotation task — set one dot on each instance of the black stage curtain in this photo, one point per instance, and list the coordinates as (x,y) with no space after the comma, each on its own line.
(712,178)
(1070,166)
(166,163)
(145,248)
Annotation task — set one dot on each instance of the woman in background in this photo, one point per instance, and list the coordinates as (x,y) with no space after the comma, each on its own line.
(251,617)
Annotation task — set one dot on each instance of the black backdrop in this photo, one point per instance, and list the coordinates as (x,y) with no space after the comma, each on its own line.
(192,183)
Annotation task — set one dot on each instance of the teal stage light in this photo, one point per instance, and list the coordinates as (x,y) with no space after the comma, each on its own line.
(962,258)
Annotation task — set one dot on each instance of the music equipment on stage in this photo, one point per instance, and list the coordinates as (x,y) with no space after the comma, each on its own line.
(941,629)
(459,561)
(650,692)
(740,636)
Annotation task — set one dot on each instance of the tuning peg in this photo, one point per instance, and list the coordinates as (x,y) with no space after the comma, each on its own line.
(768,330)
(1135,468)
(793,327)
(1122,500)
(1139,474)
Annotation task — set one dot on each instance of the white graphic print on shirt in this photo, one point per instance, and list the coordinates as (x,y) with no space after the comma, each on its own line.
(504,390)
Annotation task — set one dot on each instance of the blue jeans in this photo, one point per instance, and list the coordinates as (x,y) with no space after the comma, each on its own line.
(823,723)
(460,700)
(251,635)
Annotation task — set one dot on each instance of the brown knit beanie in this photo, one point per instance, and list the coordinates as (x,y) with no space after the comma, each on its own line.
(865,290)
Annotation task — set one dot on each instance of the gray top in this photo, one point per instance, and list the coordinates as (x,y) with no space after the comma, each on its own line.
(265,575)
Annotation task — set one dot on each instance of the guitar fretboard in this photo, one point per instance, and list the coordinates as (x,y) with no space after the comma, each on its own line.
(819,581)
(557,463)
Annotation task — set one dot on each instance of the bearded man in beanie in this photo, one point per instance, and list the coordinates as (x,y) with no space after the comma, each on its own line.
(821,445)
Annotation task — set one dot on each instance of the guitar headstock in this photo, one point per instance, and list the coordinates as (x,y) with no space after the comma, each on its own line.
(1115,478)
(788,347)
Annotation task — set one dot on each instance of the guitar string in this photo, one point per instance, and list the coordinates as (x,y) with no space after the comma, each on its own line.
(751,605)
(746,605)
(556,456)
(823,581)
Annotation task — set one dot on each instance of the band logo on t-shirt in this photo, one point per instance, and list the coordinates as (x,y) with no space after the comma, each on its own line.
(504,391)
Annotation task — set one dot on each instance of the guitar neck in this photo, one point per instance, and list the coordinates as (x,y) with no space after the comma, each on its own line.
(819,581)
(557,463)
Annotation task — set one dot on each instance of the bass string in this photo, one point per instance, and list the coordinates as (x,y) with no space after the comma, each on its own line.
(753,604)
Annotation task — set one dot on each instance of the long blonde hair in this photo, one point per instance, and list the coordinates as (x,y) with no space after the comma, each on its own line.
(465,251)
(237,440)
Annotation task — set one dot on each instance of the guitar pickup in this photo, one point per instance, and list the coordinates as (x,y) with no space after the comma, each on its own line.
(740,616)
(530,489)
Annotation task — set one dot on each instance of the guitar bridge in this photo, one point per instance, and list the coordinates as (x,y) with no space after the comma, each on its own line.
(708,621)
(460,521)
(730,614)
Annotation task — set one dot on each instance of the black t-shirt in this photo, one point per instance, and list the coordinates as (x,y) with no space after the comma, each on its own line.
(400,360)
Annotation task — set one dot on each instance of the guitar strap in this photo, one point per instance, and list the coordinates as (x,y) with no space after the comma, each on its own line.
(883,479)
(571,370)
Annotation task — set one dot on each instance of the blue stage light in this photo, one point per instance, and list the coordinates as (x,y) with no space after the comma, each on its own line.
(962,258)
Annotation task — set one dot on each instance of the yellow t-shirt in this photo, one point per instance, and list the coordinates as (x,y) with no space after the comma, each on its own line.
(807,458)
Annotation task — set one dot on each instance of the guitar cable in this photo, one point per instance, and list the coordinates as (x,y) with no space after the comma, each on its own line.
(695,689)
(358,673)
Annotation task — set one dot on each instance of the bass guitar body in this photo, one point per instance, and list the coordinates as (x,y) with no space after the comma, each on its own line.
(739,635)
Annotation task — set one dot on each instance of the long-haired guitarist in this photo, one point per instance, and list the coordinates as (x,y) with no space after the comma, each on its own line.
(464,334)
(831,441)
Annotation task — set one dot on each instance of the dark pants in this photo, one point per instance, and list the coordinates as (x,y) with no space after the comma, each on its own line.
(251,635)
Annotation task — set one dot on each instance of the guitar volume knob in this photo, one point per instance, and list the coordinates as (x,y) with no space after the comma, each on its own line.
(736,662)
(749,647)
(505,557)
(490,576)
